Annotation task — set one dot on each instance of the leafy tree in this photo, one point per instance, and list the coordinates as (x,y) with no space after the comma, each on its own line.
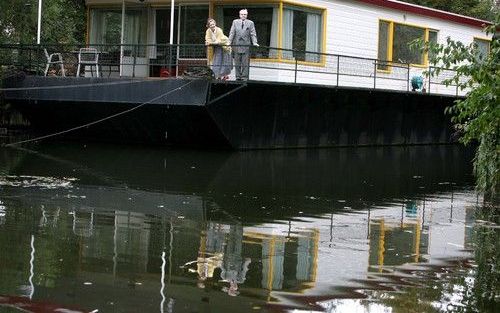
(477,116)
(63,21)
(482,9)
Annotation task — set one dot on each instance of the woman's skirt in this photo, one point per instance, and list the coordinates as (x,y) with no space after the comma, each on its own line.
(222,62)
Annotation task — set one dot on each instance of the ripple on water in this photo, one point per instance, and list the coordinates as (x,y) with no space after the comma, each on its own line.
(27,181)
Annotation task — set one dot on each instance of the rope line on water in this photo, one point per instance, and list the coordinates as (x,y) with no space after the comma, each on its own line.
(99,120)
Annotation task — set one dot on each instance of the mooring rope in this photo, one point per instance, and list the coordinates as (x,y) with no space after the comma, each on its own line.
(99,120)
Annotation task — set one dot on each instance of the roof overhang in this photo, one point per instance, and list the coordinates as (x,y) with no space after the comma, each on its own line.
(421,10)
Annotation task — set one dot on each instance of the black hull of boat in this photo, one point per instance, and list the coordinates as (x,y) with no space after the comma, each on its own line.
(251,115)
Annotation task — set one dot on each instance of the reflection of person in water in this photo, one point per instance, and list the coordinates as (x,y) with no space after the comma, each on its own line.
(205,266)
(211,252)
(234,268)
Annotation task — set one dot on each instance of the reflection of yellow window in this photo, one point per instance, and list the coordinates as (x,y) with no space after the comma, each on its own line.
(394,43)
(482,48)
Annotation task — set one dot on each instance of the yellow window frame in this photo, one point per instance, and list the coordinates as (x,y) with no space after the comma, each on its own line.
(483,39)
(390,42)
(281,4)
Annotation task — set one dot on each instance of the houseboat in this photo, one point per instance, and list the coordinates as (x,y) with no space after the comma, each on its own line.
(325,73)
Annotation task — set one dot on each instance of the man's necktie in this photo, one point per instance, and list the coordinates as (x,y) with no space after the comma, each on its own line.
(242,24)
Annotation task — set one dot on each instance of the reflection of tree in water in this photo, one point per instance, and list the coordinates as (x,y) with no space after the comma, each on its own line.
(486,288)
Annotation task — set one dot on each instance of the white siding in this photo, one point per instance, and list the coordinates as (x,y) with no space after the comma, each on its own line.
(352,30)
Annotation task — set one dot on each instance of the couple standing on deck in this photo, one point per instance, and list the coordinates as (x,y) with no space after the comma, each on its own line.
(241,36)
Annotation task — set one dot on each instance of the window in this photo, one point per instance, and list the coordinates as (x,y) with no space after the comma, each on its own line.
(265,18)
(105,28)
(383,44)
(135,32)
(301,32)
(403,35)
(193,21)
(433,36)
(302,29)
(162,32)
(394,43)
(482,48)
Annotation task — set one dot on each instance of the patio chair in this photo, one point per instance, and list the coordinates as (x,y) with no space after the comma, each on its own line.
(88,56)
(54,58)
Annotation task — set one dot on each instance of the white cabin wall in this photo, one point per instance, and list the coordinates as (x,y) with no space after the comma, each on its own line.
(352,27)
(352,30)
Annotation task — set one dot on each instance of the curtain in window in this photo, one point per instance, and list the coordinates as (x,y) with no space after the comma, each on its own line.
(312,37)
(97,27)
(287,33)
(131,33)
(152,53)
(274,34)
(219,16)
(135,32)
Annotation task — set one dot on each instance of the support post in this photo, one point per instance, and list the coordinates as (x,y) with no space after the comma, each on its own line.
(338,69)
(295,79)
(408,77)
(39,29)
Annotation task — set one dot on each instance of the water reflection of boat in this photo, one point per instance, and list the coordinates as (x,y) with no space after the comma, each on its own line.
(136,237)
(242,182)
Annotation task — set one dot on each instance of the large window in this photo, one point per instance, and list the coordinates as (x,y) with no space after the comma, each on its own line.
(433,38)
(383,44)
(135,33)
(193,24)
(302,29)
(301,32)
(162,27)
(482,48)
(402,52)
(394,43)
(265,18)
(105,27)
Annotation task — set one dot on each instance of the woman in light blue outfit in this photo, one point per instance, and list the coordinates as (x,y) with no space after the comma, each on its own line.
(219,51)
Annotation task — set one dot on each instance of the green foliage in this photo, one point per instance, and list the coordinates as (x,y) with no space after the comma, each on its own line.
(63,21)
(482,9)
(477,116)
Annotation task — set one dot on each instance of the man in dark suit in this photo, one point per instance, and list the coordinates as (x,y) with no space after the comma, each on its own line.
(241,36)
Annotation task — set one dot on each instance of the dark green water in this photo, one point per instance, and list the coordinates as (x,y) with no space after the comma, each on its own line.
(129,229)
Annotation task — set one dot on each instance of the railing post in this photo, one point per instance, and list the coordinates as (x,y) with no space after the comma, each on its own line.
(430,76)
(408,78)
(37,60)
(375,74)
(338,69)
(169,66)
(295,79)
(135,61)
(30,55)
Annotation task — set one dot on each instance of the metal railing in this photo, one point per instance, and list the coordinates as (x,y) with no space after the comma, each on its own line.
(266,64)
